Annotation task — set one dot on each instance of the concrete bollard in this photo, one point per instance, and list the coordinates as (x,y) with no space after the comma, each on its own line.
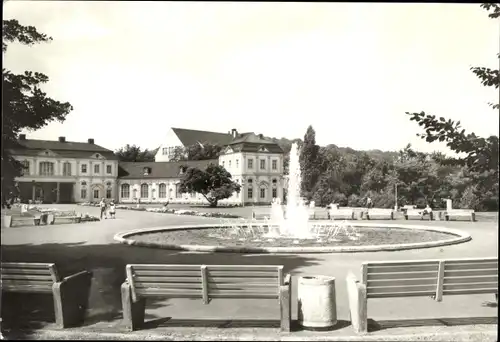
(316,302)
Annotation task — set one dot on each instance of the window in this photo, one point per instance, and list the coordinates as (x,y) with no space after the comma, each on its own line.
(262,164)
(108,193)
(108,169)
(26,167)
(250,163)
(83,193)
(96,168)
(223,163)
(125,191)
(229,164)
(250,192)
(274,165)
(46,169)
(146,171)
(84,168)
(237,163)
(162,190)
(84,183)
(178,193)
(275,193)
(274,182)
(262,193)
(96,194)
(67,169)
(144,191)
(164,151)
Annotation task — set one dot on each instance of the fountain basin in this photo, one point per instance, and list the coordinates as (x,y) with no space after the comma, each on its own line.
(197,238)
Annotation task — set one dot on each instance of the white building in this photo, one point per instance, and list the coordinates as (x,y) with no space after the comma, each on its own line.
(65,171)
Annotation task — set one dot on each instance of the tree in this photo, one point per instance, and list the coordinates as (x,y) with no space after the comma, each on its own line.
(214,183)
(309,163)
(204,151)
(133,153)
(481,154)
(24,104)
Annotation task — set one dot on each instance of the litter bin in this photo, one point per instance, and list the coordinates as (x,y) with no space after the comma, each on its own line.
(316,302)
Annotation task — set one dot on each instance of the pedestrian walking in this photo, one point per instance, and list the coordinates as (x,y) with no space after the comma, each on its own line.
(112,210)
(103,206)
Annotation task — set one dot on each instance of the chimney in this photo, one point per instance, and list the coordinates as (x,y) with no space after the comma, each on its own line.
(91,141)
(22,136)
(62,139)
(234,132)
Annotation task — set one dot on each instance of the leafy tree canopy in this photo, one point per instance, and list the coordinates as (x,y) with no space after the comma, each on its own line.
(133,153)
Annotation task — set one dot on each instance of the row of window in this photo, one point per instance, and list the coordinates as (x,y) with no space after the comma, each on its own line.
(96,193)
(47,168)
(262,193)
(274,164)
(162,191)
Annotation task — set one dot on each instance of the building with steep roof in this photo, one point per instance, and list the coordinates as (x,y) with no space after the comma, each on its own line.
(65,171)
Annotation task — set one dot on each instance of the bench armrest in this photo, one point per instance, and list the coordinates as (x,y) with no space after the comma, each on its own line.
(288,279)
(77,276)
(356,293)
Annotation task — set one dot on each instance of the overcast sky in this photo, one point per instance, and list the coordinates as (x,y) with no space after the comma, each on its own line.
(133,69)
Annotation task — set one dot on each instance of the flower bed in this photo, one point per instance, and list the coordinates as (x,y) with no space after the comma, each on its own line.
(170,211)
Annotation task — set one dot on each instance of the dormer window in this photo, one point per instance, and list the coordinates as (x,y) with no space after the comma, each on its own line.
(147,171)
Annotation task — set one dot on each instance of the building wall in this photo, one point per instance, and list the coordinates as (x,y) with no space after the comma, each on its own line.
(89,180)
(171,142)
(251,176)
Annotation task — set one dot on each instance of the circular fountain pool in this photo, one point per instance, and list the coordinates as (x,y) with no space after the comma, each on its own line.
(325,237)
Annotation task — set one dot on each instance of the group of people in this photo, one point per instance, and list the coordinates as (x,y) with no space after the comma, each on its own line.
(107,209)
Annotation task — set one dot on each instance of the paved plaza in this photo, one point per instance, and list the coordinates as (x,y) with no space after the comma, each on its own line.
(74,247)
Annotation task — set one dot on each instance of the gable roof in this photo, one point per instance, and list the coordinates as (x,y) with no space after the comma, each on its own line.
(251,142)
(190,137)
(159,170)
(67,149)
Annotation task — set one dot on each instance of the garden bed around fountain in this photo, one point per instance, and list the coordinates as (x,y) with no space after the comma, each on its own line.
(371,237)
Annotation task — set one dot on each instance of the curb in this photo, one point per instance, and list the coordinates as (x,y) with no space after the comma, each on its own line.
(461,237)
(67,335)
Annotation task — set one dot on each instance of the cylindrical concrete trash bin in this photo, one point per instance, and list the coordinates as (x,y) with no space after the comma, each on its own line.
(316,302)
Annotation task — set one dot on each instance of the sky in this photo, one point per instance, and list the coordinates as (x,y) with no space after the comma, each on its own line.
(132,70)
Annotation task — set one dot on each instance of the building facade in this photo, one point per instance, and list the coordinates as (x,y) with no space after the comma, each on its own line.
(64,171)
(67,172)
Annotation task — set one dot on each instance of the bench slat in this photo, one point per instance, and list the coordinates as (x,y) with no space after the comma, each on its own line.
(167,279)
(195,293)
(173,274)
(162,285)
(402,282)
(27,277)
(169,267)
(244,287)
(242,280)
(27,282)
(406,288)
(33,271)
(470,291)
(403,263)
(465,280)
(242,274)
(471,273)
(253,295)
(249,268)
(23,288)
(402,276)
(26,265)
(472,267)
(471,286)
(402,269)
(472,262)
(401,294)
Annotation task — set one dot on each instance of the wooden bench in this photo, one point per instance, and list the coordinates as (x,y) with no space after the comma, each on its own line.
(341,214)
(261,214)
(70,293)
(9,220)
(425,278)
(418,214)
(379,214)
(457,214)
(203,282)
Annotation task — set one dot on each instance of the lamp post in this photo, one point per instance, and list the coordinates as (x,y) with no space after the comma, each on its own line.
(396,197)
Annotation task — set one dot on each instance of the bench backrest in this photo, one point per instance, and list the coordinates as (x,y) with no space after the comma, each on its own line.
(430,277)
(28,277)
(205,281)
(380,210)
(460,211)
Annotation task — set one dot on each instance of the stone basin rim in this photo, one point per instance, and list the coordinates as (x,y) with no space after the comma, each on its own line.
(459,237)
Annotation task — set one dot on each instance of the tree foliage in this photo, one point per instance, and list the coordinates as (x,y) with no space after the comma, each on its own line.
(204,151)
(309,163)
(133,153)
(214,183)
(24,104)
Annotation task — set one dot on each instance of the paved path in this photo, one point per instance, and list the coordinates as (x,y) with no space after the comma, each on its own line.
(91,246)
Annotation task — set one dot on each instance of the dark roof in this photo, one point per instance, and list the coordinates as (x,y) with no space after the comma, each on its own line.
(250,142)
(68,149)
(190,137)
(135,170)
